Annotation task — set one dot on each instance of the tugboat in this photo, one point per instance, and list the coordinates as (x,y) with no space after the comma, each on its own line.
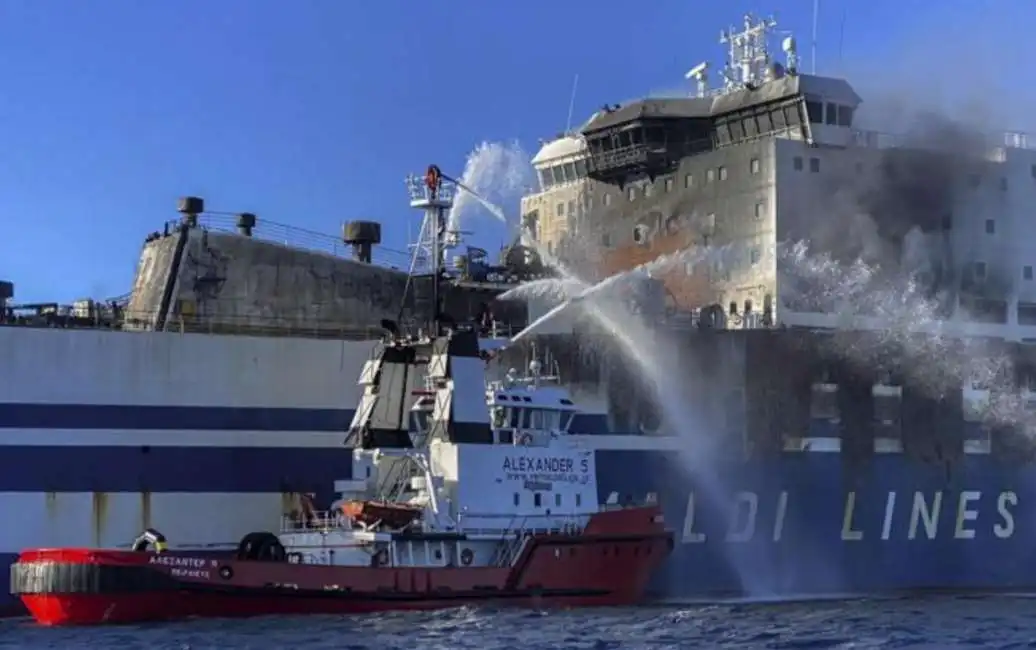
(445,508)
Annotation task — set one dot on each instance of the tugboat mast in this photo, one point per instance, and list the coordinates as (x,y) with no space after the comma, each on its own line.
(435,198)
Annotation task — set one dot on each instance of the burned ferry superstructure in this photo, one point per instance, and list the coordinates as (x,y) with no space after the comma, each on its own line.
(855,336)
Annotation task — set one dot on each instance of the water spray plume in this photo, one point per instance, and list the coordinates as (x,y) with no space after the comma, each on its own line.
(495,174)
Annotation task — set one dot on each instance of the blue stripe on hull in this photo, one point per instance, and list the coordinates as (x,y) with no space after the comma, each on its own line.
(804,553)
(227,418)
(173,469)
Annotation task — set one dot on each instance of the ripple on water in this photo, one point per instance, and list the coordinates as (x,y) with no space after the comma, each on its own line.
(938,624)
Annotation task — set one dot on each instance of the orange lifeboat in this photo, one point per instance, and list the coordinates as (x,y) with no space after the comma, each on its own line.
(392,515)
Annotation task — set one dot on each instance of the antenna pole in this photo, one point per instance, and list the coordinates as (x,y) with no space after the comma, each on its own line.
(813,45)
(433,197)
(571,104)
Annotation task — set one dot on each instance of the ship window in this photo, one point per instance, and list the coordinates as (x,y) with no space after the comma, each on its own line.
(559,175)
(710,175)
(557,499)
(797,163)
(515,418)
(815,110)
(814,165)
(1003,183)
(579,500)
(831,113)
(631,193)
(1032,171)
(990,227)
(723,173)
(648,189)
(570,172)
(546,180)
(537,500)
(1027,272)
(507,437)
(561,209)
(688,181)
(824,401)
(979,270)
(755,256)
(668,185)
(845,116)
(517,498)
(572,207)
(754,166)
(640,234)
(499,417)
(760,210)
(580,168)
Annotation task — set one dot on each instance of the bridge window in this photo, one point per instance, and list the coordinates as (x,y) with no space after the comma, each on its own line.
(581,168)
(668,185)
(557,499)
(579,500)
(723,173)
(631,193)
(754,166)
(559,175)
(845,116)
(537,500)
(517,499)
(760,210)
(688,181)
(814,165)
(1027,272)
(797,163)
(560,209)
(815,111)
(990,227)
(710,175)
(648,189)
(831,114)
(607,199)
(546,179)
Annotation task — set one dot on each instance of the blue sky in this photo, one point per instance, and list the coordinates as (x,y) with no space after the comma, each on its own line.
(310,112)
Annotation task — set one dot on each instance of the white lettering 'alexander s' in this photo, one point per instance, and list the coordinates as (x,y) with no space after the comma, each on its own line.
(184,562)
(549,469)
(964,515)
(927,515)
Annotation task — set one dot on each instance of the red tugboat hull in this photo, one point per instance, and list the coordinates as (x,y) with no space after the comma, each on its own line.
(609,563)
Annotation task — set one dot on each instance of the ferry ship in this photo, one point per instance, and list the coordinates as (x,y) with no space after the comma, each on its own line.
(855,374)
(844,454)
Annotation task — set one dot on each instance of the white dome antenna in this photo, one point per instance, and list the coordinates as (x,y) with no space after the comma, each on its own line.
(791,52)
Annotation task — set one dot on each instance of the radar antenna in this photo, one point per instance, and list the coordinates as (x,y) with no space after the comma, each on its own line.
(747,55)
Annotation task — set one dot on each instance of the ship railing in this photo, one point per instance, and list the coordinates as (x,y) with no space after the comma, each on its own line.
(294,237)
(315,522)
